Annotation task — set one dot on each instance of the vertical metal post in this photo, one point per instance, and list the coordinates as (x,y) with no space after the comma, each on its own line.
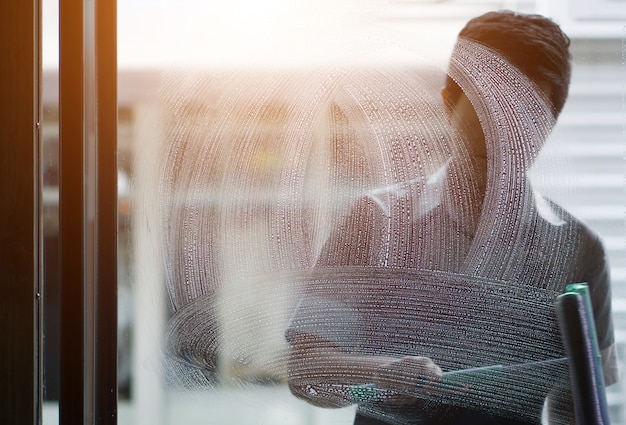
(20,112)
(71,214)
(106,219)
(88,211)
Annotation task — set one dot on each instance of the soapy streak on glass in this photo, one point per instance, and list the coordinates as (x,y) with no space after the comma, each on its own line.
(260,167)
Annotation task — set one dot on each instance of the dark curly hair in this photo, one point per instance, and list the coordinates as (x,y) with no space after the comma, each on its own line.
(536,45)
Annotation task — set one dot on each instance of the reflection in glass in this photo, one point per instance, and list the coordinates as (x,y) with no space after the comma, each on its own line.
(246,181)
(50,212)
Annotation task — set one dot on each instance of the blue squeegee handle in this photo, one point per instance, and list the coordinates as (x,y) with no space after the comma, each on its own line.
(456,379)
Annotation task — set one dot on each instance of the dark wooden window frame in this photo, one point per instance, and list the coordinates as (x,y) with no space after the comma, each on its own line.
(19,242)
(87,212)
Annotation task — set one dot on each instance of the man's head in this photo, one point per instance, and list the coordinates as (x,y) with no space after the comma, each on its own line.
(533,43)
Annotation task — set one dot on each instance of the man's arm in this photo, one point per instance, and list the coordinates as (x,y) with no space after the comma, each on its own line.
(322,373)
(560,406)
(598,279)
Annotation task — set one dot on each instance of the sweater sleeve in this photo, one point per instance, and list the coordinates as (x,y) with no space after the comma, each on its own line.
(598,279)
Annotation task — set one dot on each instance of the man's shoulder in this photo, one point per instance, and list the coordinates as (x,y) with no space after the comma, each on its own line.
(562,218)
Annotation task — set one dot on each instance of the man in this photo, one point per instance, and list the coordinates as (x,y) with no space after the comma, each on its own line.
(483,236)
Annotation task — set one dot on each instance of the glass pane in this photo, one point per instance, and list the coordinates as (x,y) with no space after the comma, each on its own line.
(50,171)
(307,221)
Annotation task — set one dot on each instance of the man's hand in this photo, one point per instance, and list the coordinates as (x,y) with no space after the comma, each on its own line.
(407,376)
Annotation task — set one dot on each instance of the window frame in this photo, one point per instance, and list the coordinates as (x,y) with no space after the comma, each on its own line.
(88,211)
(20,369)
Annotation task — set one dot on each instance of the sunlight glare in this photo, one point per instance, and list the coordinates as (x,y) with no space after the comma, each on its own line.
(194,33)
